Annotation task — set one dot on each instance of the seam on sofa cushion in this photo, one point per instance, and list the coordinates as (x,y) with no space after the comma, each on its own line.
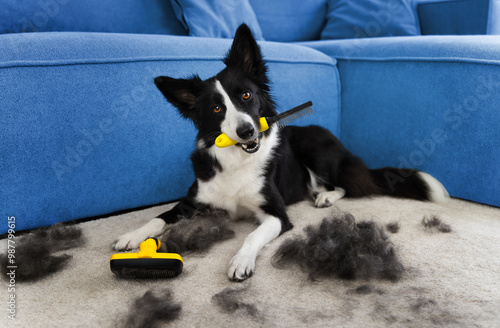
(45,63)
(423,59)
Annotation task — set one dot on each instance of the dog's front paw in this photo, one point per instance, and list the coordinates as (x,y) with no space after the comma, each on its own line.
(327,198)
(241,267)
(130,240)
(133,239)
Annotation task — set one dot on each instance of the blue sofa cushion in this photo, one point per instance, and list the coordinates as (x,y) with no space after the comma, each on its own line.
(348,19)
(463,17)
(216,19)
(85,131)
(125,16)
(428,102)
(290,20)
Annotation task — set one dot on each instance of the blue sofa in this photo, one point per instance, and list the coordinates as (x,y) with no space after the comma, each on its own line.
(86,133)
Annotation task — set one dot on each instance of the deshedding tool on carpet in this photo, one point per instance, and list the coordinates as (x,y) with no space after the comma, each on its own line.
(341,248)
(147,263)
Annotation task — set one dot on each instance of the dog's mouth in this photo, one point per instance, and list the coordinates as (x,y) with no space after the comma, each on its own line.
(251,146)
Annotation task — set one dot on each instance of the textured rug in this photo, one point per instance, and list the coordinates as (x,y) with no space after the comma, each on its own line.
(451,277)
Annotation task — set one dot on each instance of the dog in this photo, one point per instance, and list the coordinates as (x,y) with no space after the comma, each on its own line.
(265,171)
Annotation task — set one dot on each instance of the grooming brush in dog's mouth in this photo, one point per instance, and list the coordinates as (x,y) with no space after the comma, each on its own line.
(283,119)
(251,146)
(147,263)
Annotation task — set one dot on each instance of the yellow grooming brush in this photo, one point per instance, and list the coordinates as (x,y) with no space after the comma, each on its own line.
(147,263)
(283,119)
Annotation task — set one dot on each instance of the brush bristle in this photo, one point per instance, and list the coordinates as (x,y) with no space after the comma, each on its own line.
(146,268)
(292,118)
(292,115)
(139,273)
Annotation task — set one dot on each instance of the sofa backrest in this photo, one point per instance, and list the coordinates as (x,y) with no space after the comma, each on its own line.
(458,17)
(279,20)
(123,16)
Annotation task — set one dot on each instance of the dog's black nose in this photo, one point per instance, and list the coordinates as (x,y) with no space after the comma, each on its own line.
(245,131)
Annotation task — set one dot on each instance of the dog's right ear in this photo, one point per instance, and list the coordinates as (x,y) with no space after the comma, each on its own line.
(182,93)
(245,53)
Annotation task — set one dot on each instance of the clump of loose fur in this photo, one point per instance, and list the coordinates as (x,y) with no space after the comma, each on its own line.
(393,227)
(340,247)
(150,310)
(230,300)
(33,255)
(197,234)
(433,222)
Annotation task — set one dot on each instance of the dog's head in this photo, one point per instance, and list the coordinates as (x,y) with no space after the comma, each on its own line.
(230,102)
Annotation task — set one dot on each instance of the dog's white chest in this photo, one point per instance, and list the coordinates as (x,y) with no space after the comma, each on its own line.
(240,183)
(232,188)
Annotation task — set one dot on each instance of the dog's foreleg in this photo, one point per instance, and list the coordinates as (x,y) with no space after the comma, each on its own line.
(243,263)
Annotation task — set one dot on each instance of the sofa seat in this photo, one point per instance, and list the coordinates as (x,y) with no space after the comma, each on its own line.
(427,102)
(86,132)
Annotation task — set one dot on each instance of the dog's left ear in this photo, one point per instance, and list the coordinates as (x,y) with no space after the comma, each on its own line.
(245,53)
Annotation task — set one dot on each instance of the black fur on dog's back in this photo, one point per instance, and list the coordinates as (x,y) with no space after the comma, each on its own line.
(319,150)
(401,183)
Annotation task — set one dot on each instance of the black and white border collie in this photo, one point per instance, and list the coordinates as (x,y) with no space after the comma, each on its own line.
(264,172)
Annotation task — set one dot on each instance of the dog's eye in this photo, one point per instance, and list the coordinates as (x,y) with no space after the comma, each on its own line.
(217,109)
(246,95)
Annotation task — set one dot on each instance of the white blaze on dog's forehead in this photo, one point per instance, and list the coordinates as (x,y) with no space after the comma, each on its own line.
(233,117)
(227,100)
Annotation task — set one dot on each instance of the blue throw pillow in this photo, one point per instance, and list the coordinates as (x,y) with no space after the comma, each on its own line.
(216,19)
(369,18)
(290,20)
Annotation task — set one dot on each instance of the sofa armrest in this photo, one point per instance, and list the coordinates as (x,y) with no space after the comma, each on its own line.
(85,132)
(431,103)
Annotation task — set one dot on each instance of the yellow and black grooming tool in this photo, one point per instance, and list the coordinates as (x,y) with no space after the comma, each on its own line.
(147,263)
(282,119)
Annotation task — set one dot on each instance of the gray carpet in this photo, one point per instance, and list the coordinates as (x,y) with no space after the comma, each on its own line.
(452,279)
